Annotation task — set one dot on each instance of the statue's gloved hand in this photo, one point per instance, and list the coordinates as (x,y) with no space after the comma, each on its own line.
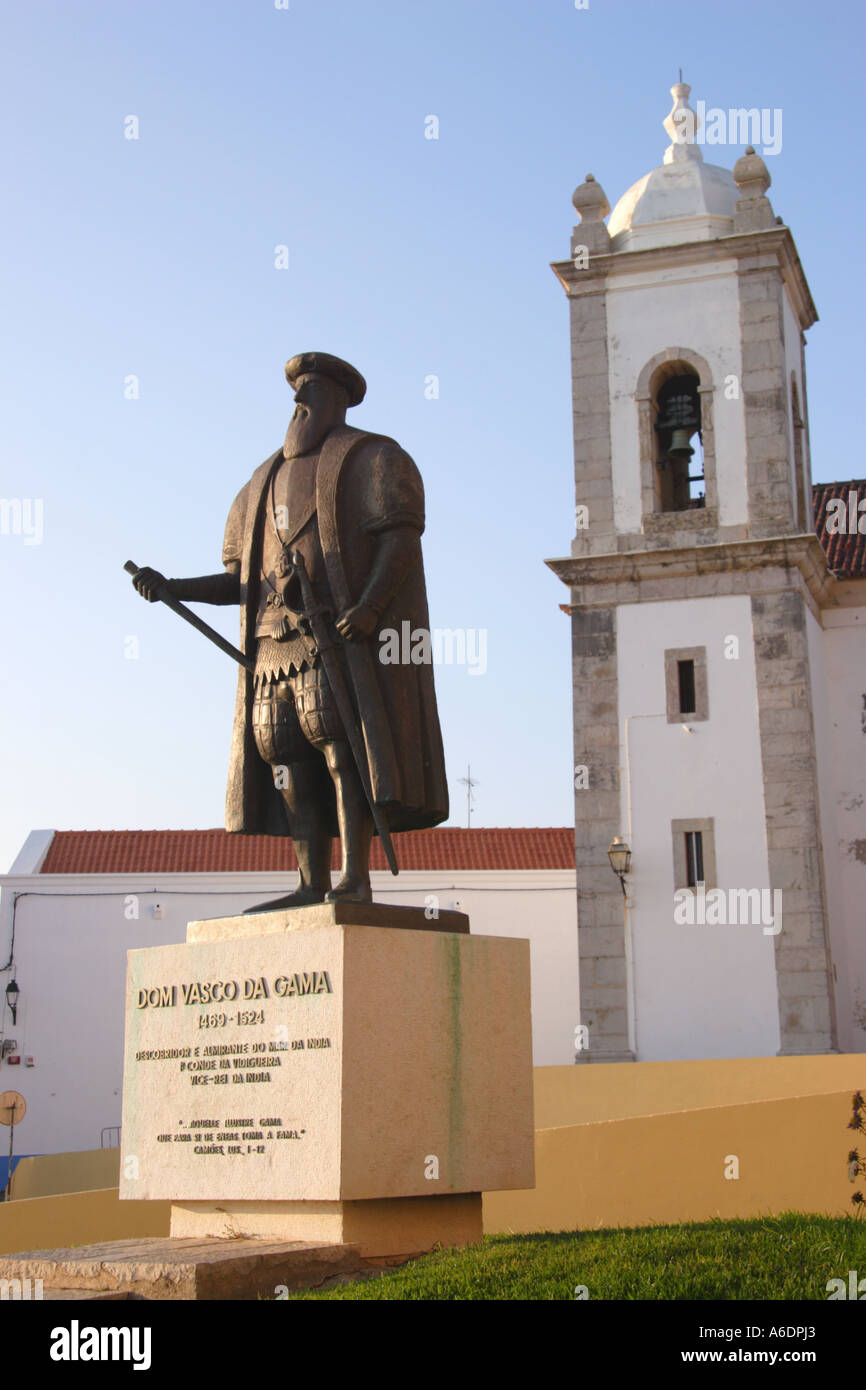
(357,623)
(148,583)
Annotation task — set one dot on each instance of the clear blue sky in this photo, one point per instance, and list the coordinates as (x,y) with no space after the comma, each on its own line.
(408,256)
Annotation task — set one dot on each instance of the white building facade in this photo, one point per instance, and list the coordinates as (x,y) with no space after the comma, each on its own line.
(719,655)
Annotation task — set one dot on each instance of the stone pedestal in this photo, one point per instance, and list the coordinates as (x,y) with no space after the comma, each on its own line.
(355,1075)
(380,1229)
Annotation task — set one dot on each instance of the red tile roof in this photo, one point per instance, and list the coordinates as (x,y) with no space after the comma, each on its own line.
(217,852)
(845,550)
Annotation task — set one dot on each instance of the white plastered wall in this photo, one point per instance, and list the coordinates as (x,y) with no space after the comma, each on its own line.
(700,991)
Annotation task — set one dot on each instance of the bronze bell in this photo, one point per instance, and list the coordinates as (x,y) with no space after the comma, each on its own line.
(679,416)
(680,448)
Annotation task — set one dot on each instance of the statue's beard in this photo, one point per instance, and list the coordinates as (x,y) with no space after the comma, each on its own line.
(307,429)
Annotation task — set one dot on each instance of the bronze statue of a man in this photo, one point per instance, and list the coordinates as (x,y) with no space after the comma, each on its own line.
(330,522)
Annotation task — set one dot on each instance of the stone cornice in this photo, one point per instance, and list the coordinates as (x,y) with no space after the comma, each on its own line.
(803,553)
(775,241)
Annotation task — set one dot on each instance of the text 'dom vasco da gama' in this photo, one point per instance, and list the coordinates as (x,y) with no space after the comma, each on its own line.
(219,1058)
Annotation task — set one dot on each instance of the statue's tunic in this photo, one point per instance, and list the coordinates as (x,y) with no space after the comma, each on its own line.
(364,485)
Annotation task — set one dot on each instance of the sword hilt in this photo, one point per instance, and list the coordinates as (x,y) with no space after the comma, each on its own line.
(164,595)
(132,568)
(311,608)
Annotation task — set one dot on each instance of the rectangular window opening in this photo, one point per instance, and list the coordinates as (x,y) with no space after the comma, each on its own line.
(693,843)
(686,675)
(694,858)
(686,695)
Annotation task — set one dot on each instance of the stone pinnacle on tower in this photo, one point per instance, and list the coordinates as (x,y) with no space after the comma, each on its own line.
(592,206)
(754,211)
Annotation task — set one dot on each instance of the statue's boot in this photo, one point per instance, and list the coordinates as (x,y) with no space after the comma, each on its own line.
(314,876)
(312,843)
(352,888)
(301,897)
(356,827)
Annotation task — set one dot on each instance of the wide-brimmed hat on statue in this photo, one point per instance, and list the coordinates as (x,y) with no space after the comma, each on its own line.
(323,364)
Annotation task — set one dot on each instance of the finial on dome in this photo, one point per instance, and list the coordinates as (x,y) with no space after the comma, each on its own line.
(681,124)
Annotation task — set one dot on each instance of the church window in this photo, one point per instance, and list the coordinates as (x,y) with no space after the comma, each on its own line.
(686,671)
(694,858)
(687,697)
(694,852)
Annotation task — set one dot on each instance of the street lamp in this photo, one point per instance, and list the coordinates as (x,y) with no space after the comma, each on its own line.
(12,993)
(619,855)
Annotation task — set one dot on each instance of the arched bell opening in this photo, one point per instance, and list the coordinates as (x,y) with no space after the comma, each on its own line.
(678,438)
(674,399)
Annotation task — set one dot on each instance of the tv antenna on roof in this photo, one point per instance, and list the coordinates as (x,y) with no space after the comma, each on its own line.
(469,782)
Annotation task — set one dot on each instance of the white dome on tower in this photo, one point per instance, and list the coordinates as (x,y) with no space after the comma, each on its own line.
(684,199)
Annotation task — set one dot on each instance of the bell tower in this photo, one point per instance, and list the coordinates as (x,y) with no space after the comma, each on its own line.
(696,588)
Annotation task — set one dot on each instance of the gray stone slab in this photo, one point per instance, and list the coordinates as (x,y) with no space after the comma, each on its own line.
(162,1267)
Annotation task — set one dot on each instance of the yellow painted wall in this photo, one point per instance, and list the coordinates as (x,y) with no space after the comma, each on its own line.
(563,1096)
(669,1168)
(577,1095)
(83,1171)
(625,1144)
(77,1218)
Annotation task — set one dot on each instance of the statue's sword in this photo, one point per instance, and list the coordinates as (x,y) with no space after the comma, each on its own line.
(183,612)
(316,617)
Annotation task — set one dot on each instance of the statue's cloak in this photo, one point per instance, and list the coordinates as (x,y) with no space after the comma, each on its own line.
(365,484)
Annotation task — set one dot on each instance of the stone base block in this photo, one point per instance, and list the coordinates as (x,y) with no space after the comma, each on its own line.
(163,1267)
(327,1061)
(383,1229)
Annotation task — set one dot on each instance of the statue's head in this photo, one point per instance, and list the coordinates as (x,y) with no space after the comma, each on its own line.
(325,387)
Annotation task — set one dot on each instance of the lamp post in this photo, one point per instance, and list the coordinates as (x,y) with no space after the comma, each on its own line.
(11,998)
(12,993)
(619,854)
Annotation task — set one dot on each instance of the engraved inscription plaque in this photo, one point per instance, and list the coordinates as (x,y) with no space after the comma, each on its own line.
(231,1072)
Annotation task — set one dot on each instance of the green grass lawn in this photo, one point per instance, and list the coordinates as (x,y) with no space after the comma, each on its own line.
(781,1257)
